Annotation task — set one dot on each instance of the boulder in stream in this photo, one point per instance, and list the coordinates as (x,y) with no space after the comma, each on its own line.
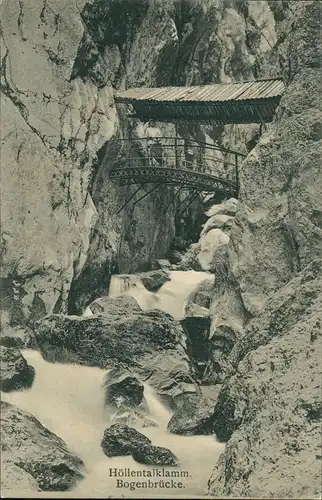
(15,372)
(121,440)
(33,456)
(128,390)
(154,455)
(124,395)
(153,280)
(149,344)
(124,304)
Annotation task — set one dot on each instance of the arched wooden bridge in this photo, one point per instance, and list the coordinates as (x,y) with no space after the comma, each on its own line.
(192,166)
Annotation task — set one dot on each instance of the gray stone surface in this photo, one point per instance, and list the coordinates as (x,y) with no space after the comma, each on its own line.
(195,416)
(153,280)
(202,294)
(15,373)
(269,408)
(149,344)
(121,440)
(61,235)
(154,455)
(126,390)
(32,457)
(123,304)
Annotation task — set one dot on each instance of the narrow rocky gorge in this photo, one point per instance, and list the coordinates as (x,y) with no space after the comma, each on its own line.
(188,342)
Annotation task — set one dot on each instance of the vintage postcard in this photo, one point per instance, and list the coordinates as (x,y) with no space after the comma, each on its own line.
(161,249)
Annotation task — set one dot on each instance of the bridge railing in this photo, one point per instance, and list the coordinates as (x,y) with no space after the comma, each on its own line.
(181,154)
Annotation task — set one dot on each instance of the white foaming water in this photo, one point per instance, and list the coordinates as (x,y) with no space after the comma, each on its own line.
(174,294)
(171,297)
(119,285)
(69,400)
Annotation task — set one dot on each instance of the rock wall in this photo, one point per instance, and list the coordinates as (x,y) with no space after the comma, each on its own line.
(268,295)
(61,234)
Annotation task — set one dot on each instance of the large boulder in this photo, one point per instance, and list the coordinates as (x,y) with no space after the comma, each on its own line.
(220,221)
(153,280)
(34,457)
(149,344)
(124,395)
(213,246)
(121,440)
(228,208)
(194,417)
(154,455)
(15,372)
(123,304)
(202,294)
(126,390)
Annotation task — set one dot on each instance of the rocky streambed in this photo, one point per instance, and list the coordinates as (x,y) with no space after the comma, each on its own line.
(121,387)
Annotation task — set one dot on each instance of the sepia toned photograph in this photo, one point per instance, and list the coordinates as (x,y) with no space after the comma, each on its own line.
(161,249)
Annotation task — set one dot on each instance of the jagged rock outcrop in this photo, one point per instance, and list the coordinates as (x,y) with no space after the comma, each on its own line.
(221,216)
(270,408)
(61,234)
(215,234)
(15,373)
(214,238)
(268,296)
(32,457)
(60,241)
(277,228)
(124,398)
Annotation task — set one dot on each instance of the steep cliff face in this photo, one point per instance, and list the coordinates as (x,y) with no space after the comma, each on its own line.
(268,296)
(61,234)
(278,228)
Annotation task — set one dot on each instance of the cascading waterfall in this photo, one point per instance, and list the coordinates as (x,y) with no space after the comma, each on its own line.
(69,400)
(171,297)
(119,285)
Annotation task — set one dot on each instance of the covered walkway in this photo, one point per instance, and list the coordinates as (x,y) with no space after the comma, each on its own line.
(240,102)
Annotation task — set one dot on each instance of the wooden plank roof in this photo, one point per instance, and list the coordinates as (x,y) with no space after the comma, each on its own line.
(238,102)
(219,92)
